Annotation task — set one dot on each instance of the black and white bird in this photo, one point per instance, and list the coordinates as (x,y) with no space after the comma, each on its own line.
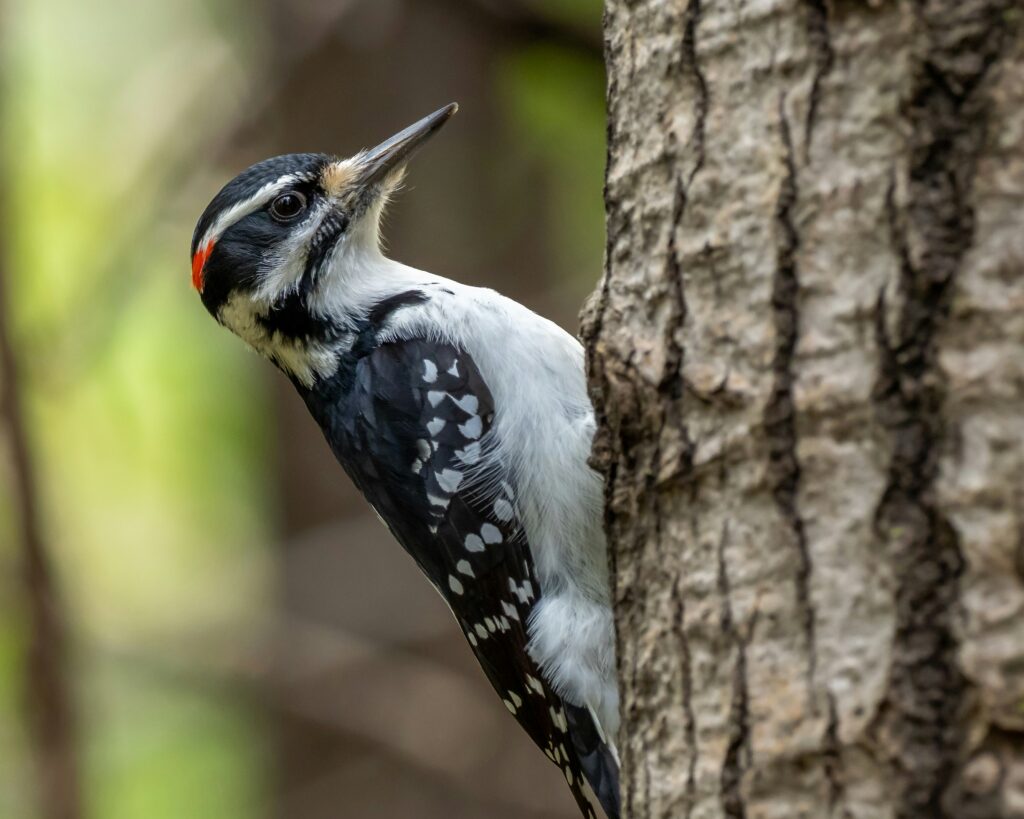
(462,416)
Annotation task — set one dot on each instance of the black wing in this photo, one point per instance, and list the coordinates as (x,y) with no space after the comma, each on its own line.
(411,427)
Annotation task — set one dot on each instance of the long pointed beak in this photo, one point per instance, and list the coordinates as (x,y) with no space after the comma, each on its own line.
(395,152)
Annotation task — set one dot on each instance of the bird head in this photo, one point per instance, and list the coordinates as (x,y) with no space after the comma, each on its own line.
(265,247)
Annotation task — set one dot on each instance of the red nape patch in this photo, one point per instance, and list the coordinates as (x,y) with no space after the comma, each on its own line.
(198,263)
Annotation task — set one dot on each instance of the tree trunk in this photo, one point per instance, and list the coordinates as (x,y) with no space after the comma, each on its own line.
(807,357)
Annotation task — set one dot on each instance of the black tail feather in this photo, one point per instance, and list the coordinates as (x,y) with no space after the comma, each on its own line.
(595,758)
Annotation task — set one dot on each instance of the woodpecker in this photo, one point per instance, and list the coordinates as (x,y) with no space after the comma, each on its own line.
(461,416)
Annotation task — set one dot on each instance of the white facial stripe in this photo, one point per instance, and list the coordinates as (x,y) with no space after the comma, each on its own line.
(283,266)
(242,209)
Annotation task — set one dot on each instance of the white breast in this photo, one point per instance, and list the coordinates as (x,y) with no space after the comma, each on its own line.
(545,423)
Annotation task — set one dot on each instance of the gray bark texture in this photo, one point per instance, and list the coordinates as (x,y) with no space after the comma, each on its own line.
(807,358)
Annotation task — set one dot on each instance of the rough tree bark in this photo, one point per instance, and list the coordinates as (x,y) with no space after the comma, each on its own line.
(807,356)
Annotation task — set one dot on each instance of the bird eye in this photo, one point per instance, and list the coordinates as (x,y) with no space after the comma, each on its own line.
(287,206)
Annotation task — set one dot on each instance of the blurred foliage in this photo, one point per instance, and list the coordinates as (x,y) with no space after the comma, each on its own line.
(151,433)
(555,103)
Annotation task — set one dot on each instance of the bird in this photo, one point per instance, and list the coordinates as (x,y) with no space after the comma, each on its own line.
(462,416)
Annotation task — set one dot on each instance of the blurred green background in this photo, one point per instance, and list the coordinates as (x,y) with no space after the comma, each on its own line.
(243,640)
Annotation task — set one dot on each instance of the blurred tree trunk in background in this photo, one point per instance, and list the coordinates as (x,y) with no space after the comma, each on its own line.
(46,695)
(807,356)
(47,681)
